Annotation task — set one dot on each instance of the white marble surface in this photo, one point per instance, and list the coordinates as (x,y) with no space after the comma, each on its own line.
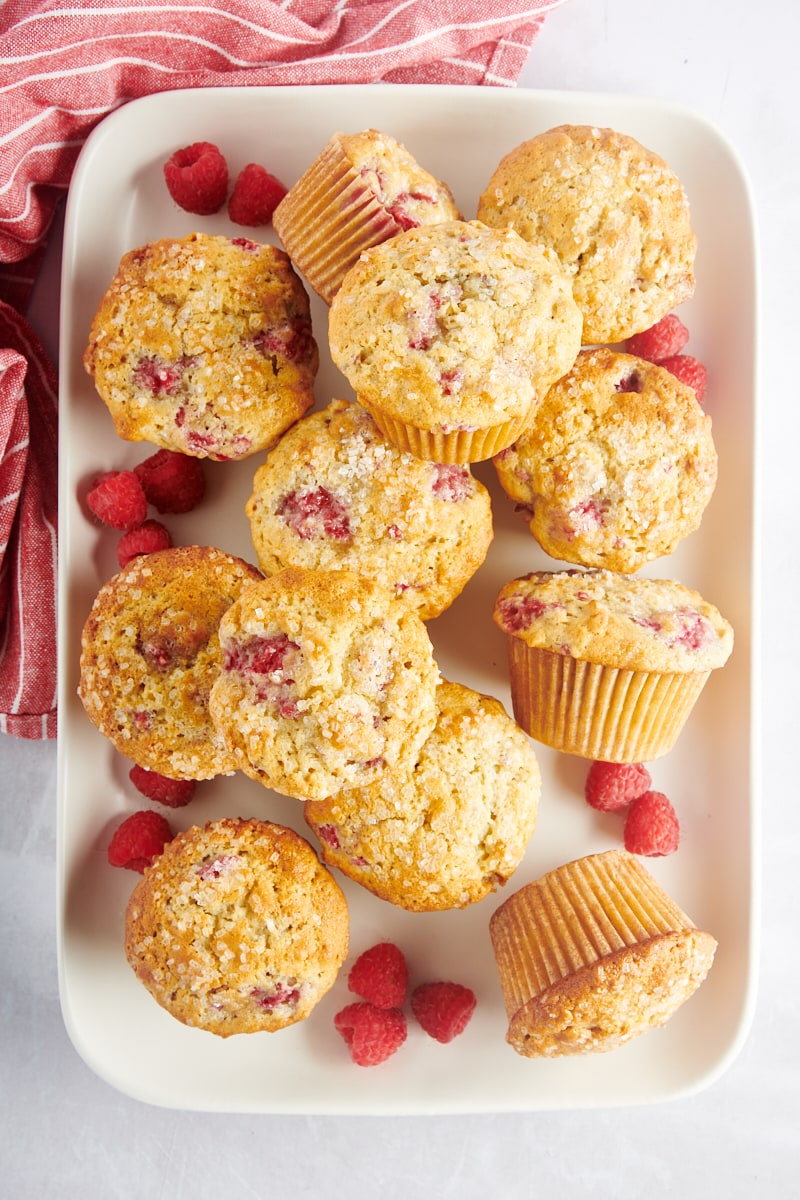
(64,1132)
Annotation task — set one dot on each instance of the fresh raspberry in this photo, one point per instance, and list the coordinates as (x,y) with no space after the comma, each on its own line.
(172,482)
(197,178)
(174,793)
(651,826)
(667,337)
(372,1034)
(144,539)
(611,786)
(689,370)
(380,975)
(443,1009)
(255,196)
(116,498)
(138,840)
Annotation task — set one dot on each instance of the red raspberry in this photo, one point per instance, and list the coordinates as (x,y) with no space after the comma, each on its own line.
(315,514)
(651,826)
(667,337)
(172,482)
(197,178)
(138,840)
(443,1009)
(611,786)
(689,370)
(144,539)
(372,1034)
(380,975)
(116,498)
(255,196)
(174,793)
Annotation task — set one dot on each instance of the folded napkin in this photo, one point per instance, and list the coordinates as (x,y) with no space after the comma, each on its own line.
(63,67)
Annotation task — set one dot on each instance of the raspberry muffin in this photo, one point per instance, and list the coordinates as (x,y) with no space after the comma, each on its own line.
(451,334)
(203,345)
(613,211)
(605,665)
(451,830)
(326,681)
(617,465)
(334,495)
(361,189)
(150,653)
(237,928)
(593,954)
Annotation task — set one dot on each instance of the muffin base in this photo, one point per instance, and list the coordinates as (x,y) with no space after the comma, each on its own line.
(328,219)
(458,446)
(592,954)
(597,711)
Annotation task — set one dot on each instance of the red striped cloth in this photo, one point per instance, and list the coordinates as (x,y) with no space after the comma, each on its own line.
(63,67)
(28,522)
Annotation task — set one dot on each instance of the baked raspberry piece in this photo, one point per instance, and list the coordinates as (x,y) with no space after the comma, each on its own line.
(255,196)
(371,1034)
(172,482)
(174,793)
(197,178)
(380,975)
(443,1009)
(138,840)
(689,370)
(144,539)
(651,826)
(315,514)
(612,786)
(116,498)
(667,337)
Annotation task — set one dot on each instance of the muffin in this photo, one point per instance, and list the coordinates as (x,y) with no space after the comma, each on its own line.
(451,334)
(613,211)
(237,928)
(451,830)
(326,681)
(608,666)
(360,190)
(617,465)
(334,495)
(150,653)
(203,345)
(593,954)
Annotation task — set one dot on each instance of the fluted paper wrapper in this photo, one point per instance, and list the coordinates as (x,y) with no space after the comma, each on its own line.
(328,218)
(597,711)
(553,937)
(457,446)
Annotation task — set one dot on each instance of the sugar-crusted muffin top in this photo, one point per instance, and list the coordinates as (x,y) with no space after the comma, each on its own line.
(619,620)
(326,680)
(237,927)
(615,213)
(454,326)
(452,829)
(410,194)
(204,345)
(333,494)
(617,465)
(150,653)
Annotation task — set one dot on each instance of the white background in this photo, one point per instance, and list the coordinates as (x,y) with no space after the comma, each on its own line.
(65,1133)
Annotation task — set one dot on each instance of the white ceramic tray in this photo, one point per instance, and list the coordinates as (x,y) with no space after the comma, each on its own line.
(118,201)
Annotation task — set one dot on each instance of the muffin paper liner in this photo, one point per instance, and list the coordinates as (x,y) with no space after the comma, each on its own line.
(328,218)
(458,446)
(597,711)
(556,940)
(573,917)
